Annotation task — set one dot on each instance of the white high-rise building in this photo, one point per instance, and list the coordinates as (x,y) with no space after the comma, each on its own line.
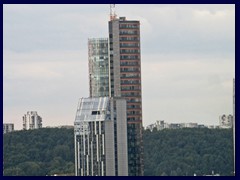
(32,120)
(100,136)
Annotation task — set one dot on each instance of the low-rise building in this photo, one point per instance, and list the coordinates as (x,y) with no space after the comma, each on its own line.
(160,125)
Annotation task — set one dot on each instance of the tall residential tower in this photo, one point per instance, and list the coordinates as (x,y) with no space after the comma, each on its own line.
(125,81)
(115,71)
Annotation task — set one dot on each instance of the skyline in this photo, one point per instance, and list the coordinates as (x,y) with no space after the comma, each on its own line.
(188,60)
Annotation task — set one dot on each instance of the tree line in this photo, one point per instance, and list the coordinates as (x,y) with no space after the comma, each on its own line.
(180,152)
(39,152)
(188,151)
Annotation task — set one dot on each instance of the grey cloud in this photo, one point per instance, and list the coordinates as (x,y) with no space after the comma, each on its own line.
(42,29)
(188,59)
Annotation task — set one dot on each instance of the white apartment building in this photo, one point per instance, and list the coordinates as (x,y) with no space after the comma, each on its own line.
(226,121)
(32,120)
(8,127)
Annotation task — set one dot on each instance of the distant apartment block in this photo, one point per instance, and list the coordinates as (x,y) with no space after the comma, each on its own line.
(160,125)
(61,126)
(32,120)
(8,127)
(226,121)
(100,137)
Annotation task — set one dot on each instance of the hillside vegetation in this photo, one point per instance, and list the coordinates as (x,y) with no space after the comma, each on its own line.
(39,152)
(181,152)
(185,152)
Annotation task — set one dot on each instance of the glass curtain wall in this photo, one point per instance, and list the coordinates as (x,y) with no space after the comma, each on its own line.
(98,67)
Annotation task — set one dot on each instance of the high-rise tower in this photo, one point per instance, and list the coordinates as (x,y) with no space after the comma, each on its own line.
(125,81)
(115,71)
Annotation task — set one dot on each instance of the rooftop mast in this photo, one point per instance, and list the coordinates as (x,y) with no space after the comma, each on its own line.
(112,12)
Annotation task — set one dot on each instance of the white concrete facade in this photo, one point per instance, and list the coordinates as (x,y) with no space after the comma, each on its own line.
(8,127)
(100,135)
(32,120)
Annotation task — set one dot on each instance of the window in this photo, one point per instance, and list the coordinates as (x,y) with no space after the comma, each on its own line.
(95,112)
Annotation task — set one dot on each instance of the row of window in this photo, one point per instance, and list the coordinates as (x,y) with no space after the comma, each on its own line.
(130,75)
(130,70)
(129,50)
(102,71)
(134,119)
(129,57)
(134,112)
(129,63)
(129,25)
(128,32)
(131,38)
(129,100)
(131,94)
(97,52)
(127,88)
(133,106)
(97,57)
(130,82)
(97,46)
(129,44)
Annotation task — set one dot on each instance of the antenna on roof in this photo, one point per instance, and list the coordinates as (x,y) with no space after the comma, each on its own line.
(112,12)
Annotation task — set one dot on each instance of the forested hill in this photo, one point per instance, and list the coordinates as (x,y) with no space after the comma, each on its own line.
(39,152)
(181,152)
(188,151)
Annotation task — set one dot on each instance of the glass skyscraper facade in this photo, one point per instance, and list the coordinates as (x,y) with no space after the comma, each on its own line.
(98,67)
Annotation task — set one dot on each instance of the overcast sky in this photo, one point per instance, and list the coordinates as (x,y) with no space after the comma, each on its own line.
(188,60)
